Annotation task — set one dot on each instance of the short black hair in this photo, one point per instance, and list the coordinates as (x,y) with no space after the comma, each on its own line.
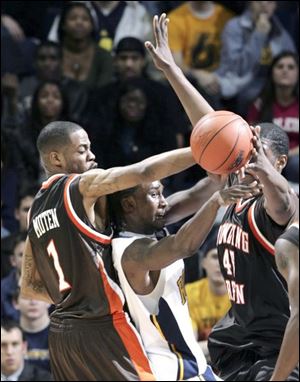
(277,137)
(130,44)
(9,325)
(49,44)
(55,135)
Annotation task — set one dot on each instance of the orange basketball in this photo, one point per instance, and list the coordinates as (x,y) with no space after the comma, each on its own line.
(221,142)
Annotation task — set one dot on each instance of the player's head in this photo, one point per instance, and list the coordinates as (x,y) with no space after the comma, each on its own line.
(275,144)
(140,209)
(64,147)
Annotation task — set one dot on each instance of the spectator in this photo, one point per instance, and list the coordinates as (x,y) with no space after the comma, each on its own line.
(195,40)
(35,321)
(21,210)
(47,64)
(115,20)
(279,102)
(249,42)
(13,351)
(10,284)
(49,104)
(207,298)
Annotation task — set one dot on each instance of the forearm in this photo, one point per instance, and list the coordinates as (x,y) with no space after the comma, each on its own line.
(289,353)
(191,235)
(187,202)
(98,182)
(279,200)
(192,101)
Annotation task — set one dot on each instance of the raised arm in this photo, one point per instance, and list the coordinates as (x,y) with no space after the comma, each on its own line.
(146,255)
(31,285)
(280,201)
(96,183)
(194,104)
(187,202)
(287,259)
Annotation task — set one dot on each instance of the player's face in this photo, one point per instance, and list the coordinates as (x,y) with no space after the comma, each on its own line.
(150,207)
(78,156)
(13,350)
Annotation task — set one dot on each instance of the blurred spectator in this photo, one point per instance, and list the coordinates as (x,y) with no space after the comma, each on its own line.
(130,63)
(249,42)
(10,283)
(83,60)
(13,351)
(195,40)
(35,321)
(48,66)
(207,298)
(288,14)
(26,195)
(138,126)
(49,104)
(279,103)
(115,20)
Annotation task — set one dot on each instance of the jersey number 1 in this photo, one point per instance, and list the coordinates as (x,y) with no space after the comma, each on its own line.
(51,249)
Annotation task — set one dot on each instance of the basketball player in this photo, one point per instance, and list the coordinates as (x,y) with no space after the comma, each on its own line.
(67,259)
(287,260)
(246,343)
(151,274)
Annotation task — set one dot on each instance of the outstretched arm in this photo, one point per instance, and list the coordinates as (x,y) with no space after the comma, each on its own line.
(194,104)
(146,255)
(31,285)
(287,259)
(98,182)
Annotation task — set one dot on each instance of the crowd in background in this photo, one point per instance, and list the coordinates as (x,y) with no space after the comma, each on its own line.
(85,62)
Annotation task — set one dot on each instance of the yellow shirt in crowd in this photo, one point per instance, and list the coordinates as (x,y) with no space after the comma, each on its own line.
(198,39)
(205,307)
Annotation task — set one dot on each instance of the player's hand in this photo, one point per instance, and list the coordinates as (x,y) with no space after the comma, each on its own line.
(259,163)
(219,180)
(233,194)
(161,53)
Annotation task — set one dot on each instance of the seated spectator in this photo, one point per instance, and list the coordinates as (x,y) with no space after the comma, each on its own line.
(47,64)
(249,43)
(207,298)
(35,321)
(83,61)
(14,367)
(49,104)
(279,103)
(10,283)
(23,204)
(115,20)
(130,63)
(195,40)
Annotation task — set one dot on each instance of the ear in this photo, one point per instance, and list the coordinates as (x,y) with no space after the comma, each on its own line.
(128,204)
(281,162)
(56,159)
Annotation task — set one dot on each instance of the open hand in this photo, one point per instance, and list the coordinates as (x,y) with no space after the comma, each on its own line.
(161,53)
(234,193)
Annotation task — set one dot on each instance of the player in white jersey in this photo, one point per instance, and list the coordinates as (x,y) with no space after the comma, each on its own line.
(151,272)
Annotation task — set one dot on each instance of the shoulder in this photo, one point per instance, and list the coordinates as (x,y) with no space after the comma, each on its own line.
(34,373)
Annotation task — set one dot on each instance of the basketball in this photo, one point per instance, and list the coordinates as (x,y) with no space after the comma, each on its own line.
(221,142)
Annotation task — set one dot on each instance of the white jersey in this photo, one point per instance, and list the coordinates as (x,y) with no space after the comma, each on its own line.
(162,319)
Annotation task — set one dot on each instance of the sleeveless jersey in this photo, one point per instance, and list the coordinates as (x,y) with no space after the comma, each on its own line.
(162,319)
(72,257)
(258,292)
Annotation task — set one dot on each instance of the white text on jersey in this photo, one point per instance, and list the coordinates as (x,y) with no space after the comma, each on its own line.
(45,221)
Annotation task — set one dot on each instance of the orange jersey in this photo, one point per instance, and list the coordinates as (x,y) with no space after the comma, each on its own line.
(205,307)
(198,39)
